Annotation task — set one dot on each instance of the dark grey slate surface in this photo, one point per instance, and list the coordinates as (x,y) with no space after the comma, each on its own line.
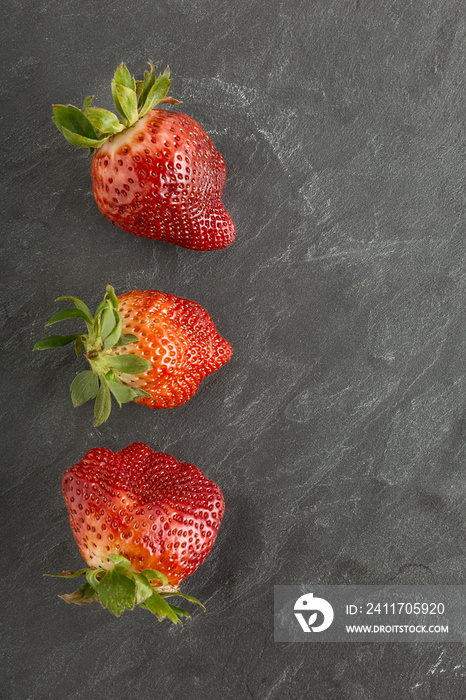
(337,431)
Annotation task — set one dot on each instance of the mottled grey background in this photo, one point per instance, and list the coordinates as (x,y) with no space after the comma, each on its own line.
(337,432)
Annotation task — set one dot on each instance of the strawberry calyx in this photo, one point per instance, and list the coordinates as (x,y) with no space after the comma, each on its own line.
(90,127)
(120,588)
(109,374)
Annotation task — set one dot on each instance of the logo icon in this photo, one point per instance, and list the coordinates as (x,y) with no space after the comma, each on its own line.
(307,603)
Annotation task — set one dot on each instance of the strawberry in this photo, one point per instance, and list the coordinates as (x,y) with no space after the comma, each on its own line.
(147,346)
(143,523)
(156,173)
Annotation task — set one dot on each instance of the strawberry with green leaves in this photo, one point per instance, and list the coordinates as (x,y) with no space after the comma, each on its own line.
(149,347)
(155,172)
(143,522)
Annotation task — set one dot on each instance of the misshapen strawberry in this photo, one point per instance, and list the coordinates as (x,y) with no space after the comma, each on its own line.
(143,523)
(147,346)
(156,173)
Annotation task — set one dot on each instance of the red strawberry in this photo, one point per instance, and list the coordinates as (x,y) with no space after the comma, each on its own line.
(143,523)
(156,174)
(145,346)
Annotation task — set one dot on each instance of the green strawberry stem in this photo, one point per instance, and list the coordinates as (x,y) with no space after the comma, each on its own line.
(91,127)
(109,374)
(120,589)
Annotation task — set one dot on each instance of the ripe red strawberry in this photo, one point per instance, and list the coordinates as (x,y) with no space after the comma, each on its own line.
(156,174)
(149,347)
(143,523)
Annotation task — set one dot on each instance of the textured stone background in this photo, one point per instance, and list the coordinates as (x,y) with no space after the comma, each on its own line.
(337,431)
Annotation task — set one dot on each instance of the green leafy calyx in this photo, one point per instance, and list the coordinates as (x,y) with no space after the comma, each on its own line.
(109,374)
(90,127)
(119,589)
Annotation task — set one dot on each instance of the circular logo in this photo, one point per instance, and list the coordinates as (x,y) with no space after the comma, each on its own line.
(312,606)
